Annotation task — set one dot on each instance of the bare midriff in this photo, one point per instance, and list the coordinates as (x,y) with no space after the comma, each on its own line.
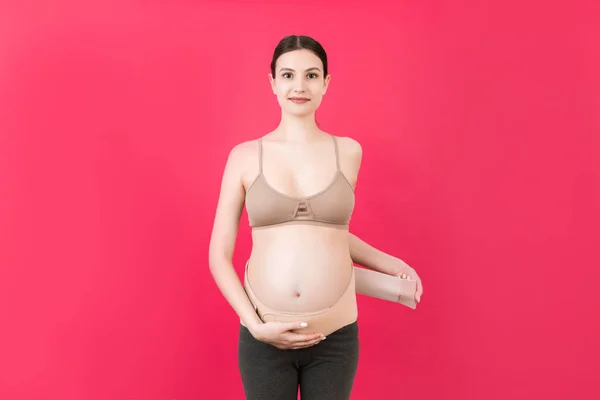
(300,268)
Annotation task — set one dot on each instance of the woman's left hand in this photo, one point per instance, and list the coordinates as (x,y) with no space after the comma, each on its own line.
(404,271)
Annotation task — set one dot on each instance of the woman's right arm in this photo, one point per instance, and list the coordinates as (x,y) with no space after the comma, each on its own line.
(224,235)
(220,260)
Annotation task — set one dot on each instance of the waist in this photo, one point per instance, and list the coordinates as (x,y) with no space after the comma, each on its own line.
(310,222)
(300,239)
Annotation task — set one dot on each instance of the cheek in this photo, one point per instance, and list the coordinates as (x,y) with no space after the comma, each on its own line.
(282,89)
(317,88)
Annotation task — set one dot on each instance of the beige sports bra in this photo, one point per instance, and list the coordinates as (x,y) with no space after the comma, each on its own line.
(331,206)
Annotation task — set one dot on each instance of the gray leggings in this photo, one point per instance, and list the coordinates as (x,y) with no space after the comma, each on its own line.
(323,371)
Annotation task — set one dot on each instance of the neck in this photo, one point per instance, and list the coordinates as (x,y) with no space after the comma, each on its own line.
(298,129)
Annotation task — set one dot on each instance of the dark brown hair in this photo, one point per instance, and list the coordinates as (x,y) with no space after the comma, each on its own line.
(294,42)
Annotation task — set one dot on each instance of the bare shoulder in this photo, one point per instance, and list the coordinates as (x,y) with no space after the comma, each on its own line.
(243,161)
(349,143)
(243,151)
(242,155)
(350,157)
(350,147)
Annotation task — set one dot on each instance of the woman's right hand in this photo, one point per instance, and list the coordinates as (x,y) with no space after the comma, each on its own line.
(281,335)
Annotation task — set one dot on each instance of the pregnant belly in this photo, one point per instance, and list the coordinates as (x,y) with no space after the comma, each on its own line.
(299,268)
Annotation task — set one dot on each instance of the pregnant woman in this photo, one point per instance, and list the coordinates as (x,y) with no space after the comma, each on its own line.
(297,304)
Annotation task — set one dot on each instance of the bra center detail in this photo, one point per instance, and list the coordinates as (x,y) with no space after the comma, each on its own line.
(302,209)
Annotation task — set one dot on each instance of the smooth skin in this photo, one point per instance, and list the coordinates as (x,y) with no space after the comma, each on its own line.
(299,75)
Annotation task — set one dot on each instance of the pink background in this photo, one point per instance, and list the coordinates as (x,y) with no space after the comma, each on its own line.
(480,127)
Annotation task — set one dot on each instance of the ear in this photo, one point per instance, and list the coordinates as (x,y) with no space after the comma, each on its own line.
(272,82)
(326,83)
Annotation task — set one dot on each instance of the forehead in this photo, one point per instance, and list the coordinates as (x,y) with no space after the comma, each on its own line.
(299,60)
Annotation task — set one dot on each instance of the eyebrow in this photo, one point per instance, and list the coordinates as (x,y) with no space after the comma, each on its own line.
(289,69)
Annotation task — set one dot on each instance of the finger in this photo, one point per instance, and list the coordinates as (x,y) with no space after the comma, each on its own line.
(313,340)
(300,345)
(286,345)
(305,344)
(294,337)
(289,326)
(419,291)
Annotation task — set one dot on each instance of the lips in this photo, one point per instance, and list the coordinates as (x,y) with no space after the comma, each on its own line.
(299,100)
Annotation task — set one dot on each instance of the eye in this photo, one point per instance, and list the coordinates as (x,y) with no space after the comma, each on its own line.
(313,76)
(286,75)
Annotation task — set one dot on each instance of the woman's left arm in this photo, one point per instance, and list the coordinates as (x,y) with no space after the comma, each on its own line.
(361,252)
(369,257)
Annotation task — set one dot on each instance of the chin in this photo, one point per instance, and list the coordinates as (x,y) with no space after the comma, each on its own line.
(298,113)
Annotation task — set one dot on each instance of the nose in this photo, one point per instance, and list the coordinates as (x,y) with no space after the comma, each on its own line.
(300,86)
(299,89)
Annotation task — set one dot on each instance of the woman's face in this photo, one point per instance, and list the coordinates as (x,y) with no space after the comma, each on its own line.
(299,82)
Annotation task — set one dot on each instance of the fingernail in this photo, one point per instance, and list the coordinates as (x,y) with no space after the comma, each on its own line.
(303,324)
(324,337)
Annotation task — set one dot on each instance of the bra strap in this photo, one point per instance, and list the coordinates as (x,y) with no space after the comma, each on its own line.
(337,155)
(260,152)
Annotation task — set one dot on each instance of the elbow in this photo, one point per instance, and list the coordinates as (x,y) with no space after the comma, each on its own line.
(214,261)
(217,260)
(220,252)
